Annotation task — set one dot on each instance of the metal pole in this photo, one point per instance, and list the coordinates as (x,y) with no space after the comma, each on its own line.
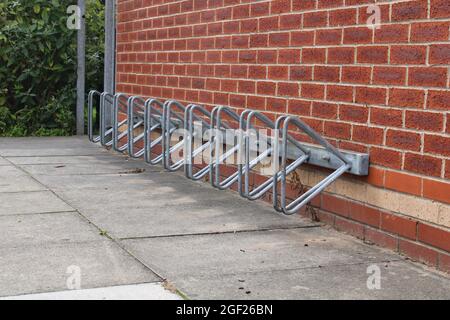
(81,69)
(110,46)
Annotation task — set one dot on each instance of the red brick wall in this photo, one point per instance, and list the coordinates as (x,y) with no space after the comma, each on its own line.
(382,91)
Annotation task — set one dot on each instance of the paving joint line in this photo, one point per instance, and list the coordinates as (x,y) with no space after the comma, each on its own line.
(220,232)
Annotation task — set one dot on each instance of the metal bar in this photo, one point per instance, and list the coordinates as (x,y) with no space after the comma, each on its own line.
(81,69)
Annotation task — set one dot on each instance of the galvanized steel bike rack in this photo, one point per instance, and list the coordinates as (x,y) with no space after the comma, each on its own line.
(117,135)
(284,151)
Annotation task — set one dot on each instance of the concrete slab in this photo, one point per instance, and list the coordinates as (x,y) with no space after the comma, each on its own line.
(399,280)
(248,252)
(145,291)
(31,202)
(48,267)
(35,229)
(15,180)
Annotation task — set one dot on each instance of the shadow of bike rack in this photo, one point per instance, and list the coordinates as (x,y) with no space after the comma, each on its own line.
(174,136)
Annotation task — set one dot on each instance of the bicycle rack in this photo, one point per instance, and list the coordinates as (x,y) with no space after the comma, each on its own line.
(284,151)
(190,133)
(272,151)
(104,99)
(135,121)
(217,143)
(305,198)
(153,120)
(117,135)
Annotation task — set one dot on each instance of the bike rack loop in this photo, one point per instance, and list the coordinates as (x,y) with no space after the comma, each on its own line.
(150,127)
(190,153)
(272,151)
(91,96)
(117,136)
(105,97)
(294,206)
(135,122)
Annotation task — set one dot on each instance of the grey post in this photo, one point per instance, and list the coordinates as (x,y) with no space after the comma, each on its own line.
(81,69)
(110,46)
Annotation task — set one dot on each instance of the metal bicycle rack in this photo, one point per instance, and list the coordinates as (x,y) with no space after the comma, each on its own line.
(162,121)
(153,121)
(120,100)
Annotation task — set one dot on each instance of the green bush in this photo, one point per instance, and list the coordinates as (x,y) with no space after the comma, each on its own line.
(38,65)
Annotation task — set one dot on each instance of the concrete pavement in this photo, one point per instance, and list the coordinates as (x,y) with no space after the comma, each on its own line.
(71,210)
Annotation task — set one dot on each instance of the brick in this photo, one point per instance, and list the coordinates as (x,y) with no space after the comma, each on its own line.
(386,157)
(401,226)
(313,55)
(408,54)
(403,182)
(288,89)
(278,72)
(392,33)
(337,130)
(368,135)
(444,262)
(290,21)
(429,121)
(370,95)
(313,91)
(403,140)
(302,38)
(326,73)
(315,19)
(376,176)
(418,252)
(324,110)
(335,205)
(341,55)
(266,88)
(340,93)
(440,54)
(406,98)
(436,190)
(364,214)
(380,238)
(389,75)
(438,100)
(422,164)
(353,113)
(344,17)
(386,117)
(376,55)
(280,39)
(439,9)
(289,56)
(300,73)
(429,31)
(299,107)
(277,105)
(359,75)
(411,10)
(428,77)
(350,227)
(329,37)
(437,144)
(358,35)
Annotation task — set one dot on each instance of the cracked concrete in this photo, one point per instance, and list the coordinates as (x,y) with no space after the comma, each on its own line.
(67,202)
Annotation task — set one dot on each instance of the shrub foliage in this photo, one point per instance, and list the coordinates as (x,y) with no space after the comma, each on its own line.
(38,65)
